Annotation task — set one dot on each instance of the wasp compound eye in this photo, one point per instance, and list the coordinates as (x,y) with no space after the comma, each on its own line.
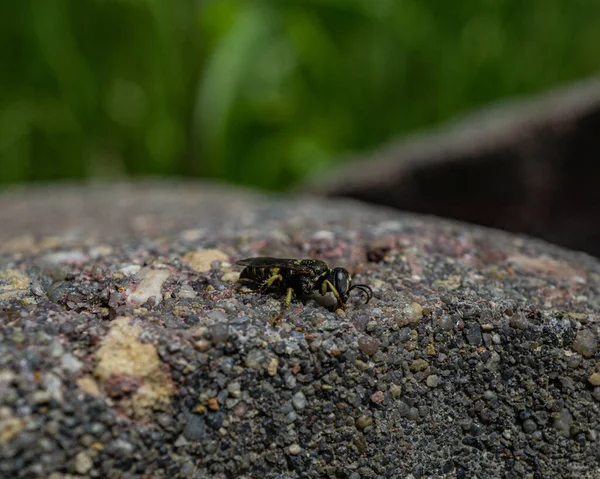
(341,281)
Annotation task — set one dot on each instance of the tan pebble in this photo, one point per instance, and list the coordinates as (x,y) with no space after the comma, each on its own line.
(377,284)
(121,353)
(202,259)
(395,390)
(202,345)
(361,365)
(594,379)
(213,404)
(414,312)
(17,284)
(272,368)
(9,428)
(232,276)
(89,385)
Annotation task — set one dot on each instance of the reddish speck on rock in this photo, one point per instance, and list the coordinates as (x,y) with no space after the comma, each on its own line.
(378,397)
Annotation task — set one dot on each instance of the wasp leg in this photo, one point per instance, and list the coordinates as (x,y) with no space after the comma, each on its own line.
(288,300)
(266,285)
(328,286)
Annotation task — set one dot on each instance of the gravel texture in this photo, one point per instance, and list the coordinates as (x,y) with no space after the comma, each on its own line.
(135,355)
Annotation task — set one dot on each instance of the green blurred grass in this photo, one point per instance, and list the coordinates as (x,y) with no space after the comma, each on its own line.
(261,92)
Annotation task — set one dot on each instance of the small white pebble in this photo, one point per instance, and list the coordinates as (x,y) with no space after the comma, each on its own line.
(232,276)
(186,292)
(83,463)
(294,449)
(150,285)
(130,269)
(62,257)
(70,363)
(299,401)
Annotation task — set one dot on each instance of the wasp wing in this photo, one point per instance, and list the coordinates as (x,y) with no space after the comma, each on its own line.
(295,265)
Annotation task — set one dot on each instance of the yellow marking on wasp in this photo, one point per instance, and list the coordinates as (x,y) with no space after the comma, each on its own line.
(268,283)
(265,286)
(288,300)
(289,297)
(328,286)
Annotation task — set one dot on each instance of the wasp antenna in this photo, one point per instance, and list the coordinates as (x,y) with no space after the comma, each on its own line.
(365,289)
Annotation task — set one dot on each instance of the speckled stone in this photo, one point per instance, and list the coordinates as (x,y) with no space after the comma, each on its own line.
(368,345)
(433,381)
(476,356)
(585,343)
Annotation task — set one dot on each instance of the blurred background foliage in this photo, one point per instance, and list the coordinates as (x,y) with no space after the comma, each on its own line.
(261,92)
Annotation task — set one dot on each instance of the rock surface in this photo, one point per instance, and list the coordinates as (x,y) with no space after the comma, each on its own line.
(132,354)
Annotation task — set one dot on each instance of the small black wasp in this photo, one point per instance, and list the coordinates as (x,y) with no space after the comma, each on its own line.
(299,277)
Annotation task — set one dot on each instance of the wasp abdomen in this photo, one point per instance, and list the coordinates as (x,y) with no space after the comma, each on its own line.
(259,276)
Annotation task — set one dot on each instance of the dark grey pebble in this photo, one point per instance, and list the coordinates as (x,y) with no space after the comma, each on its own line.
(219,333)
(195,428)
(529,426)
(58,290)
(474,336)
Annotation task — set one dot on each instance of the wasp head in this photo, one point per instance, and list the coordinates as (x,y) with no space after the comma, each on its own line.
(340,278)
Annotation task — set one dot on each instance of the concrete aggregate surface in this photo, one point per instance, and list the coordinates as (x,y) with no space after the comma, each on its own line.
(127,348)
